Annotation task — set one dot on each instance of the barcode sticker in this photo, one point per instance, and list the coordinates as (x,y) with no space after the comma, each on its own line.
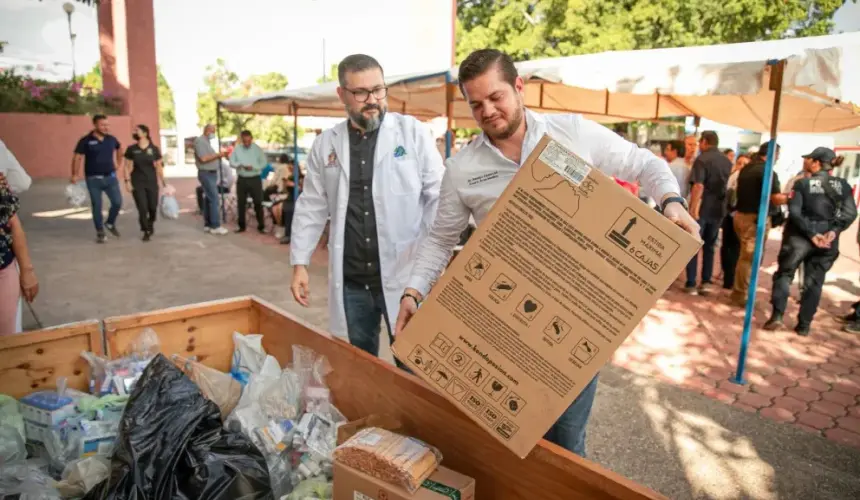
(572,167)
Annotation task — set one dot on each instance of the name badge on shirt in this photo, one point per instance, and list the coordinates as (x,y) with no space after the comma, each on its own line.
(483,178)
(93,142)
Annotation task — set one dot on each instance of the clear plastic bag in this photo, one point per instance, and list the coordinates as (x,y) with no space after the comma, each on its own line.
(12,448)
(80,476)
(118,376)
(9,414)
(76,194)
(218,387)
(248,356)
(169,207)
(314,488)
(27,481)
(389,457)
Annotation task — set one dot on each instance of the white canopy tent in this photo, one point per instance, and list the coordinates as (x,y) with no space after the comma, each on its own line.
(724,83)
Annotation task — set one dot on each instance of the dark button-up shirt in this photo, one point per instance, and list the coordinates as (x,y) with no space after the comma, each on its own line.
(712,169)
(98,154)
(360,241)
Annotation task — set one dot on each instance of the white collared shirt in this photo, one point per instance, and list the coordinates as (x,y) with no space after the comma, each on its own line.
(16,176)
(477,175)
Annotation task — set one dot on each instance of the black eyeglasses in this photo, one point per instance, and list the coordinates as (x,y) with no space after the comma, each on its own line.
(362,95)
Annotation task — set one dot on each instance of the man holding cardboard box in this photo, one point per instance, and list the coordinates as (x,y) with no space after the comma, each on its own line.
(480,173)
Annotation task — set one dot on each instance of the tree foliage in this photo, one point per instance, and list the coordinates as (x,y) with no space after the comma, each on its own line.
(529,29)
(223,83)
(166,106)
(332,75)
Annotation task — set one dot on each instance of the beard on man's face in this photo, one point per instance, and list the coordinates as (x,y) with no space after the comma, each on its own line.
(513,124)
(371,123)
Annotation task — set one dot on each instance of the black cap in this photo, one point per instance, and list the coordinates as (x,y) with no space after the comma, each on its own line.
(824,155)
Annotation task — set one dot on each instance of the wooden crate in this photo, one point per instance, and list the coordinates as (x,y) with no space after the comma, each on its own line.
(34,361)
(362,385)
(203,330)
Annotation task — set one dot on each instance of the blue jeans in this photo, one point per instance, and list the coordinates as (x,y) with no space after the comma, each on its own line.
(709,230)
(364,309)
(569,430)
(109,185)
(211,212)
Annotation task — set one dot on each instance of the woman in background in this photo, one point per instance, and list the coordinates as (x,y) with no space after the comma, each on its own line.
(17,277)
(145,171)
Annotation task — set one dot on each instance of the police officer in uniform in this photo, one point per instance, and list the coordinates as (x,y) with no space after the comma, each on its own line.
(819,209)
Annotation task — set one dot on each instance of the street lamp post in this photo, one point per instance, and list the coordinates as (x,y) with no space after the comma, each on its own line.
(69,9)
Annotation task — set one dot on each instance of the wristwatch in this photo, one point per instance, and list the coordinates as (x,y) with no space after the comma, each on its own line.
(674,199)
(411,296)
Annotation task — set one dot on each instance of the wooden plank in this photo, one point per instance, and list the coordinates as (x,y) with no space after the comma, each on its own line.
(203,330)
(34,360)
(362,385)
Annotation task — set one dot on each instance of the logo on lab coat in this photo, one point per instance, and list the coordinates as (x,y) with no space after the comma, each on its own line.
(332,158)
(399,152)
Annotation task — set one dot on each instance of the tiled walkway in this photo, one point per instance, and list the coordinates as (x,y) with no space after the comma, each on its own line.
(810,382)
(692,341)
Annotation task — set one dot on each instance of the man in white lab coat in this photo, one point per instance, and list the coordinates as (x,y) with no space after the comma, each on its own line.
(477,176)
(376,176)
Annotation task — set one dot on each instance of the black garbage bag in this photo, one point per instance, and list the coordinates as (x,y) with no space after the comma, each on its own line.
(172,445)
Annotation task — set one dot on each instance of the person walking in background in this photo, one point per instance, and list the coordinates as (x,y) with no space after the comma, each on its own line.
(749,187)
(730,154)
(17,275)
(691,148)
(97,157)
(144,173)
(820,207)
(730,249)
(249,160)
(208,161)
(708,178)
(377,176)
(674,152)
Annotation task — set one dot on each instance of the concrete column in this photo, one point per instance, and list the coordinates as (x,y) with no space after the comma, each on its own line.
(127,43)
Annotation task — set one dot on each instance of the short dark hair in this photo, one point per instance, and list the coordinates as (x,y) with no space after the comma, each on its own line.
(98,118)
(285,159)
(355,63)
(246,133)
(480,61)
(710,138)
(728,150)
(678,146)
(144,128)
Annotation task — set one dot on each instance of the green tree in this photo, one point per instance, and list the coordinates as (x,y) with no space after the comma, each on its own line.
(223,83)
(332,75)
(166,106)
(529,29)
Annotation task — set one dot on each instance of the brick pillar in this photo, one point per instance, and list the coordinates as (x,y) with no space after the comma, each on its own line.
(128,59)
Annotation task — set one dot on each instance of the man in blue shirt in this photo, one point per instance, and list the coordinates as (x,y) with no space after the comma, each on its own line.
(97,156)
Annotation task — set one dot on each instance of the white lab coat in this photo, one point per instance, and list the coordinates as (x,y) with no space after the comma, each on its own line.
(405,187)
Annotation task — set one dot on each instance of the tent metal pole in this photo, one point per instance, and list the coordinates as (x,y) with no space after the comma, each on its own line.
(296,169)
(777,69)
(218,149)
(449,110)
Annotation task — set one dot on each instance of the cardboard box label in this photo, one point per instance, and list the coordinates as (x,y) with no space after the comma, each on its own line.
(557,276)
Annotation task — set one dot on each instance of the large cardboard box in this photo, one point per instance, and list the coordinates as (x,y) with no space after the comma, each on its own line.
(557,276)
(444,484)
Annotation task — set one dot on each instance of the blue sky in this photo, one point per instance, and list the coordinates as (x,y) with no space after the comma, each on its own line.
(255,36)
